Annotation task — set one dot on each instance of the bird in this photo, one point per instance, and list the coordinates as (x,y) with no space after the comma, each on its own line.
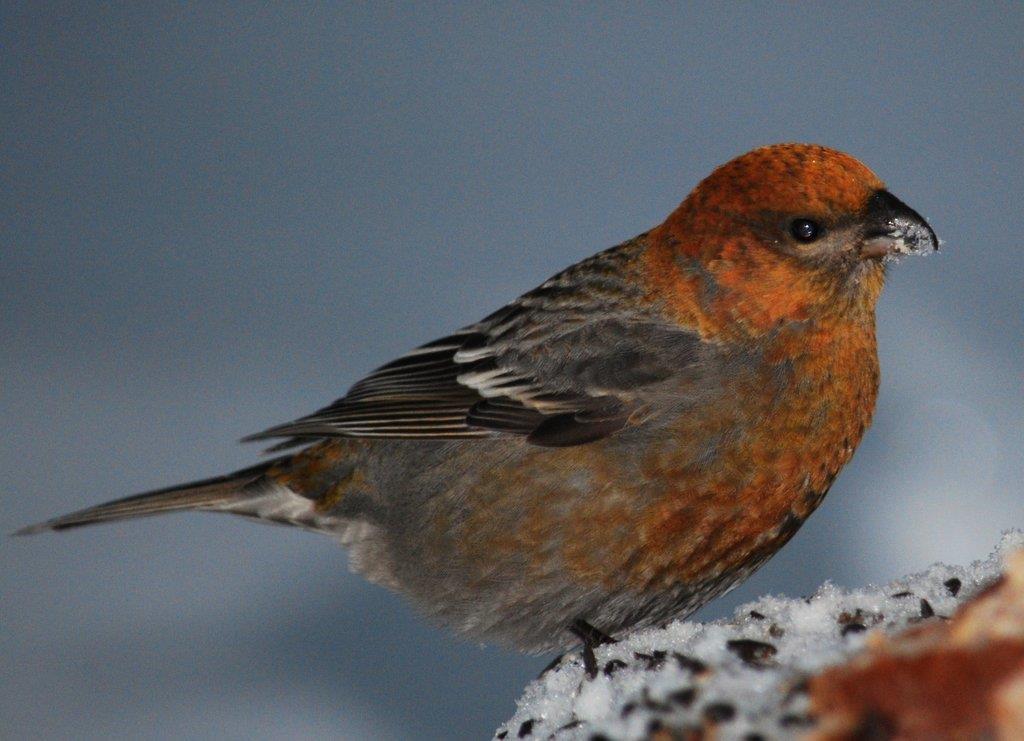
(620,445)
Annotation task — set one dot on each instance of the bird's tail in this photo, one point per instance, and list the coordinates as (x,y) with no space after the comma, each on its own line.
(231,493)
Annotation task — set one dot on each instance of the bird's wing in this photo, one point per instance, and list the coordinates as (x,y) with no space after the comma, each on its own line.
(564,364)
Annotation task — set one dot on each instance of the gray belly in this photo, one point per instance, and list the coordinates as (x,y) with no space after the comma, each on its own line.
(427,519)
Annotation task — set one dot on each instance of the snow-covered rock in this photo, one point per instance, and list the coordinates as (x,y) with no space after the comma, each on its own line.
(742,678)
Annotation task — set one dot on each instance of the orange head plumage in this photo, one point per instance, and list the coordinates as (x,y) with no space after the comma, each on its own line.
(784,232)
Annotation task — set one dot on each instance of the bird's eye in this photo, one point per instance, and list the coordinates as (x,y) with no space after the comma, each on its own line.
(805,230)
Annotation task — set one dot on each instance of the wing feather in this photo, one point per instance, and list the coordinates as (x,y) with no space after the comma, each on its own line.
(564,364)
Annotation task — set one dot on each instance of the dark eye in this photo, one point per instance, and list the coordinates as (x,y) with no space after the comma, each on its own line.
(804,230)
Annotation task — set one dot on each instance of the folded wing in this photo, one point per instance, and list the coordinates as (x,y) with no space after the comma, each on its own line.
(565,364)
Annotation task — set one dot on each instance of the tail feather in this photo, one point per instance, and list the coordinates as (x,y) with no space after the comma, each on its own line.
(216,493)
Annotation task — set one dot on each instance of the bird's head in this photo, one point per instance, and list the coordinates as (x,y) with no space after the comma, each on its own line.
(788,228)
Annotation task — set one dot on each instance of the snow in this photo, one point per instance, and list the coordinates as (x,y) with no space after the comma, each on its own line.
(743,675)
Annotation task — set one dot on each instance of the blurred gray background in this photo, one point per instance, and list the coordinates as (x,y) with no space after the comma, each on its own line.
(216,217)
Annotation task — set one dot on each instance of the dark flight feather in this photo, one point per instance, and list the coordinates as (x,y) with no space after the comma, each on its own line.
(564,364)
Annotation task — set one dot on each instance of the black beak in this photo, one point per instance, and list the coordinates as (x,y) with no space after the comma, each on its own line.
(893,228)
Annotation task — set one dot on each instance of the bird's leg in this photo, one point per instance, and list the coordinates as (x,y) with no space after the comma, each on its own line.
(591,637)
(589,634)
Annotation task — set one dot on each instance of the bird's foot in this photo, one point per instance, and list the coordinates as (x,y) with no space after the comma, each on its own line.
(591,638)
